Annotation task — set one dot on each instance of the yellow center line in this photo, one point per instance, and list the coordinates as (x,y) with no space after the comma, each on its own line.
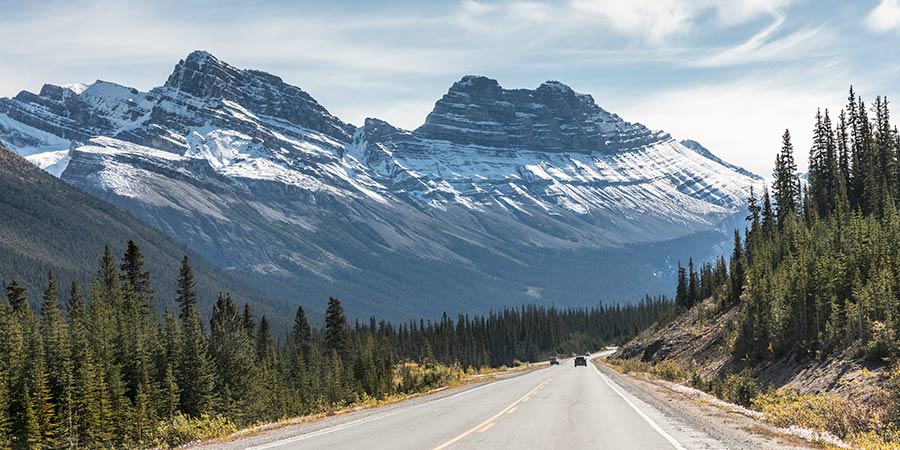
(491,419)
(486,427)
(512,410)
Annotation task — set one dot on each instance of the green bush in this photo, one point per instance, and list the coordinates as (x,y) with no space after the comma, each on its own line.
(182,429)
(740,389)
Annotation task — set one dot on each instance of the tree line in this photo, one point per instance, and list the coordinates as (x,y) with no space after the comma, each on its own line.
(104,368)
(818,269)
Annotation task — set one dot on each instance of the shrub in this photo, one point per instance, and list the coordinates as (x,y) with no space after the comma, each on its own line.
(415,378)
(670,370)
(740,389)
(630,365)
(836,415)
(182,429)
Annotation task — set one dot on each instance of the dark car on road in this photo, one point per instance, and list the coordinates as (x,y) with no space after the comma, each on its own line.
(580,361)
(554,361)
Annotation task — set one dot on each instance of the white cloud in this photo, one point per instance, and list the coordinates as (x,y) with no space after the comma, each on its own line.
(885,16)
(656,21)
(803,44)
(651,20)
(741,120)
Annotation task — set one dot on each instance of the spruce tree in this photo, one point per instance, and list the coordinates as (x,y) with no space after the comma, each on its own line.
(786,190)
(15,296)
(194,375)
(186,289)
(265,346)
(337,336)
(249,322)
(55,335)
(737,268)
(693,293)
(133,271)
(231,352)
(301,334)
(681,290)
(85,429)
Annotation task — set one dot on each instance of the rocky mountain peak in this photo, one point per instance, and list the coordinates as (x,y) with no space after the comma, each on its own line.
(202,75)
(553,117)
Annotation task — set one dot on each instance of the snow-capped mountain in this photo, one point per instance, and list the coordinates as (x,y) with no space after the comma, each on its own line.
(501,196)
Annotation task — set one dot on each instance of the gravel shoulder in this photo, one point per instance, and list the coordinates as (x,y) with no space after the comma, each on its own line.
(729,424)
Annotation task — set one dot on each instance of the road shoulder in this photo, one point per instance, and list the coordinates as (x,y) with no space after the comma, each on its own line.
(736,429)
(263,435)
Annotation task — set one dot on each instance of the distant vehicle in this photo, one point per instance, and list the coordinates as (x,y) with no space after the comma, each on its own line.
(587,354)
(554,361)
(580,361)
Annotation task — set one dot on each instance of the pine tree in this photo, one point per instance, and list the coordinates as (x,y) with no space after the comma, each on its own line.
(11,342)
(136,338)
(337,336)
(133,272)
(265,346)
(737,268)
(55,335)
(231,352)
(84,413)
(786,184)
(167,359)
(301,334)
(249,322)
(15,296)
(194,375)
(693,293)
(186,289)
(681,291)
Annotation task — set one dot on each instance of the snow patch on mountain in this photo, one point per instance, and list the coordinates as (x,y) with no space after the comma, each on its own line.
(254,173)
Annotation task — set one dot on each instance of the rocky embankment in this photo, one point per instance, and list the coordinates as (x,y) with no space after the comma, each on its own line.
(701,341)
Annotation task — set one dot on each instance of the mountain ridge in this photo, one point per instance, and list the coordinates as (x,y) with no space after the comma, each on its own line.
(51,226)
(255,175)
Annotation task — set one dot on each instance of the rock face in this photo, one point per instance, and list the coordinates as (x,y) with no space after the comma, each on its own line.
(500,197)
(551,118)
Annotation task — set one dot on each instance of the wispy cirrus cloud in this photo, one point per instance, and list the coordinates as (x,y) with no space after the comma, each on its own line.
(656,21)
(697,68)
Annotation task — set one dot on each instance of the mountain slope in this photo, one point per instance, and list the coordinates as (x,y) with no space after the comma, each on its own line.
(48,225)
(500,197)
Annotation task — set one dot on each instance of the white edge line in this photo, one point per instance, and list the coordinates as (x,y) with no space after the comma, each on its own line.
(650,421)
(350,424)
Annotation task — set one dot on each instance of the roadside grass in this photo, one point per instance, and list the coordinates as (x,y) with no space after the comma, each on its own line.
(864,426)
(411,380)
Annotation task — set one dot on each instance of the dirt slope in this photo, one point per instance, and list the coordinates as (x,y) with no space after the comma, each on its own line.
(702,339)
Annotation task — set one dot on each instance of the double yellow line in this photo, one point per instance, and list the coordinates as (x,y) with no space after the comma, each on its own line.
(484,426)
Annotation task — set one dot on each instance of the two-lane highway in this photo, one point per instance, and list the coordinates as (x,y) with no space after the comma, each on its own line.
(556,407)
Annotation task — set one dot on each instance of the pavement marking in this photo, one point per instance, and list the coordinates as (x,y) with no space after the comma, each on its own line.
(373,418)
(512,410)
(650,421)
(486,427)
(492,418)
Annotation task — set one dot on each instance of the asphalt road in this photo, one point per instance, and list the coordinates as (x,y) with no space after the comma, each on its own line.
(551,408)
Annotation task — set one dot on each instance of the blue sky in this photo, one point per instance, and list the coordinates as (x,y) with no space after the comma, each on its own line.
(730,74)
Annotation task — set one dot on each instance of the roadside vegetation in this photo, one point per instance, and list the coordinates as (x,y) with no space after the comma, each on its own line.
(106,370)
(816,272)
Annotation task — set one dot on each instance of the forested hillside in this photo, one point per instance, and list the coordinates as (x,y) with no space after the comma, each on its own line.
(49,225)
(95,366)
(812,285)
